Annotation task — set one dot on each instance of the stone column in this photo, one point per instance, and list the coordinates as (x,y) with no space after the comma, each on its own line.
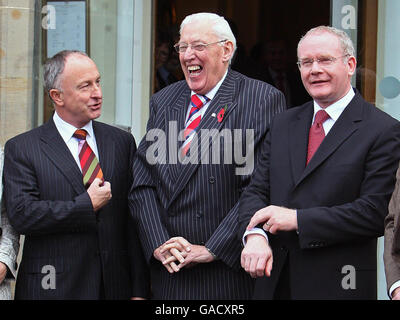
(16,61)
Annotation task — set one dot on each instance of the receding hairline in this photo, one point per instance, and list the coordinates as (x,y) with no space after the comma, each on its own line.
(344,40)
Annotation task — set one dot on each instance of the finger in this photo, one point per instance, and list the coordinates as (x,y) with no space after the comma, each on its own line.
(174,267)
(268,267)
(266,226)
(243,260)
(253,267)
(178,256)
(246,264)
(182,241)
(105,185)
(172,245)
(167,266)
(97,181)
(273,229)
(261,267)
(259,217)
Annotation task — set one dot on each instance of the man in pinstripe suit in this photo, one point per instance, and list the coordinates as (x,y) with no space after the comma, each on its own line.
(186,209)
(79,243)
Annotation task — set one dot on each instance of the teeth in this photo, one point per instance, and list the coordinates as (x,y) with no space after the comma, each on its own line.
(194,68)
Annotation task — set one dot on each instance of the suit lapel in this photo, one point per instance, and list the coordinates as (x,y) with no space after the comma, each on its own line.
(224,98)
(56,150)
(298,139)
(176,116)
(348,122)
(105,146)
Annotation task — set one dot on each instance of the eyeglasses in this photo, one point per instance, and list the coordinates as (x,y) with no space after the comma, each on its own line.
(323,61)
(182,47)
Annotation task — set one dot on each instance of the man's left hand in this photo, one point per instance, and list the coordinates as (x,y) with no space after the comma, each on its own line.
(275,219)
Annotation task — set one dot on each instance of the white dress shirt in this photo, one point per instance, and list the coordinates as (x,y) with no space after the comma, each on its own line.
(210,95)
(334,111)
(67,131)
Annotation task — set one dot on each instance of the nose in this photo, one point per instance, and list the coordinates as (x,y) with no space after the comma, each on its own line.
(315,68)
(96,92)
(188,54)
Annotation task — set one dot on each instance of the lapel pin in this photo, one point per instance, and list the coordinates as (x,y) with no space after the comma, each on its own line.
(221,114)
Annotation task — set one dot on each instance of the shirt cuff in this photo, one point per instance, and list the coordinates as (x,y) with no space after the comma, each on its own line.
(254,231)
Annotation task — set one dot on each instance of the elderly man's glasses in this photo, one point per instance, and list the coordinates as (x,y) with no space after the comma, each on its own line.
(198,46)
(322,61)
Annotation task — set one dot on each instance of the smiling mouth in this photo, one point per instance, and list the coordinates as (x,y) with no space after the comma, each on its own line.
(96,105)
(319,81)
(195,70)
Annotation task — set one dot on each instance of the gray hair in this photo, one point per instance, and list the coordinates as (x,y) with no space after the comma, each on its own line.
(345,41)
(54,67)
(219,25)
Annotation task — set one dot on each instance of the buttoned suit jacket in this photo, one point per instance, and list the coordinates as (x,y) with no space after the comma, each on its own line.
(341,198)
(199,201)
(48,203)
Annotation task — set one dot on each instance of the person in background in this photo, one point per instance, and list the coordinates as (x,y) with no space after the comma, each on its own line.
(9,246)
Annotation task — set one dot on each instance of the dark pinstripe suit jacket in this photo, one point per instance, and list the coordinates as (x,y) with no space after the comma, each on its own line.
(47,202)
(199,201)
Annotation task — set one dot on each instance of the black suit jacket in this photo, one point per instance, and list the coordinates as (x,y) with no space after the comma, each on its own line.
(341,199)
(95,255)
(199,201)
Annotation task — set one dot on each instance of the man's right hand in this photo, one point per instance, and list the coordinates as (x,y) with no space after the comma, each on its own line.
(99,194)
(256,256)
(396,294)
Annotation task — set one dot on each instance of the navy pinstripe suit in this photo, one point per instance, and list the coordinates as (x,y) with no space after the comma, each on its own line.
(199,201)
(47,202)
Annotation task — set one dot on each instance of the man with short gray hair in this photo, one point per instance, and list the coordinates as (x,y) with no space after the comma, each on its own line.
(185,195)
(66,185)
(322,187)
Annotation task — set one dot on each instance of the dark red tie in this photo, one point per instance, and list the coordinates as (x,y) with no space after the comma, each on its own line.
(89,164)
(316,134)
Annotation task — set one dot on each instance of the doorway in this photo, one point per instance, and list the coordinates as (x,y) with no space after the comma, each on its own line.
(267,33)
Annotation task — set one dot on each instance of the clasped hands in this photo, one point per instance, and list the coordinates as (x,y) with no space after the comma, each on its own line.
(257,258)
(177,253)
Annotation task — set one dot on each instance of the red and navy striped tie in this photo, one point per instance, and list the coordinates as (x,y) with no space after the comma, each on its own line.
(88,160)
(193,122)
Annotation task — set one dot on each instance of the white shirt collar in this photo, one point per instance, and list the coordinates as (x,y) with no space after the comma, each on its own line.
(67,130)
(336,109)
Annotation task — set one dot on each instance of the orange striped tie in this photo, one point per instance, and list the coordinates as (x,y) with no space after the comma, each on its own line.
(88,160)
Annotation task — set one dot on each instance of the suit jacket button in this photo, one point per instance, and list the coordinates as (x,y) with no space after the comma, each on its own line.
(171,214)
(211,180)
(199,214)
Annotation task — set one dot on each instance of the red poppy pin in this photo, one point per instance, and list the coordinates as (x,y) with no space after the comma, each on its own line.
(221,114)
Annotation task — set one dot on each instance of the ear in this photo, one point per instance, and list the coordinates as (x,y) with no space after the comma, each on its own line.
(56,96)
(228,51)
(352,65)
